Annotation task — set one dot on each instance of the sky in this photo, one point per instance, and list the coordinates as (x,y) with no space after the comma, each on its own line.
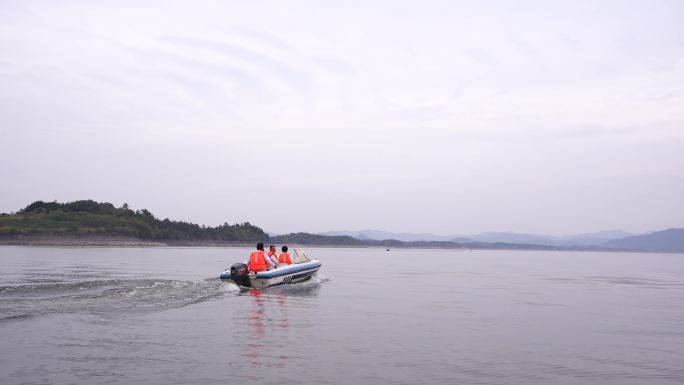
(450,117)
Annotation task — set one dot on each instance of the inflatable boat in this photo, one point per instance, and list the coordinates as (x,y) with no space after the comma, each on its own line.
(302,269)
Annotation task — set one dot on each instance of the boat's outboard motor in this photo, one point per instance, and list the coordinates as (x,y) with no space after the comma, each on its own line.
(238,273)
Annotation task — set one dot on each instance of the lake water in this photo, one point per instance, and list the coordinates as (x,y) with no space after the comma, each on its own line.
(160,316)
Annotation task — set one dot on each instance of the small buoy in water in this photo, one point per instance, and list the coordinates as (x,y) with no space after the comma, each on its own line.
(387,250)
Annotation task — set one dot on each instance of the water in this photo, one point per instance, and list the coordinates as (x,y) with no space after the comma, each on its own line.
(160,316)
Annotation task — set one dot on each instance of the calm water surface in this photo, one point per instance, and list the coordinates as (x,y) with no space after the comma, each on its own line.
(160,316)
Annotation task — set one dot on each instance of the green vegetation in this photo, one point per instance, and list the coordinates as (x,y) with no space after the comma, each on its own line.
(88,217)
(315,239)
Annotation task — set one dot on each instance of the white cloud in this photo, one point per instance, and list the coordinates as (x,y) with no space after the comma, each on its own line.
(432,116)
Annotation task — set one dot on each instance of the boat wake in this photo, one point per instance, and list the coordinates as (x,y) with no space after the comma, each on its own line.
(120,297)
(106,297)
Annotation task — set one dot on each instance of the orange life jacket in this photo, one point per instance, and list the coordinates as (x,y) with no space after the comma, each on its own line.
(257,261)
(285,258)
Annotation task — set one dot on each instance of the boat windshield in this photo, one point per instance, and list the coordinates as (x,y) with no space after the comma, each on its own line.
(300,256)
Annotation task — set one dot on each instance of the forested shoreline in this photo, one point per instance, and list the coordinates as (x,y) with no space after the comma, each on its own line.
(87,222)
(88,218)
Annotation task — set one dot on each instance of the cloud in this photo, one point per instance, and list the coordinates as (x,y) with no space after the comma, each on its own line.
(250,58)
(451,117)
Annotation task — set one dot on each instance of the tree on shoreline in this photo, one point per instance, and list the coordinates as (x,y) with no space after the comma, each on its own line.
(88,217)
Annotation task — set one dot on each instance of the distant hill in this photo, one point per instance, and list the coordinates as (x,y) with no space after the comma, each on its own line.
(346,240)
(592,239)
(90,218)
(380,235)
(670,240)
(317,239)
(516,238)
(588,239)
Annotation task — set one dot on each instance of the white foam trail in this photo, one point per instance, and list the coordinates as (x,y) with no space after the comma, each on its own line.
(230,287)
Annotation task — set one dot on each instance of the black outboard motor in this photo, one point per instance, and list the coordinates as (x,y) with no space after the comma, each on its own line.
(239,274)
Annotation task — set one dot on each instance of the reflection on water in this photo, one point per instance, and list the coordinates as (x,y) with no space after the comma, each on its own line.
(270,336)
(258,329)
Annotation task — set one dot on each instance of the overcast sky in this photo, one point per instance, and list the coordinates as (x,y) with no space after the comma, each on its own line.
(552,117)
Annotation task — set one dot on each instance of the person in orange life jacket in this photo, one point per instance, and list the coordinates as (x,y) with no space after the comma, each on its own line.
(272,253)
(284,257)
(258,261)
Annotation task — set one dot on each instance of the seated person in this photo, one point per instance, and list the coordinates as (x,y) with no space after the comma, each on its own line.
(272,253)
(284,258)
(258,260)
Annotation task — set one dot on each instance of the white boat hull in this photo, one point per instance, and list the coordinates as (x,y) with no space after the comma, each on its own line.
(283,275)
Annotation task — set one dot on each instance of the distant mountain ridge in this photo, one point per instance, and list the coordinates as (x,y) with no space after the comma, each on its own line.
(380,235)
(587,239)
(670,240)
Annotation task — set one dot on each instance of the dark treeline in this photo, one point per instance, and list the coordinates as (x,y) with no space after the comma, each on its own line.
(345,240)
(315,239)
(88,217)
